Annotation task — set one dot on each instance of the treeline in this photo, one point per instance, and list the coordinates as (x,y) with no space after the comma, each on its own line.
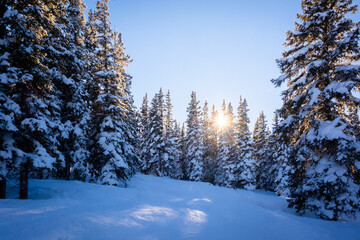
(214,146)
(66,110)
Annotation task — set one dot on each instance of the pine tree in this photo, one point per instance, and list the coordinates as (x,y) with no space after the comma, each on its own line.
(194,151)
(221,126)
(178,172)
(214,143)
(155,144)
(112,154)
(209,143)
(227,148)
(144,131)
(171,155)
(260,137)
(128,114)
(246,175)
(269,165)
(8,107)
(321,78)
(65,58)
(31,130)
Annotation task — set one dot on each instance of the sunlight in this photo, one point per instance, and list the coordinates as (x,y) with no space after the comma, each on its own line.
(222,121)
(154,214)
(196,216)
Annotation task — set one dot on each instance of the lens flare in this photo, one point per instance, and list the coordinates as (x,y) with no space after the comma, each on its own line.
(222,122)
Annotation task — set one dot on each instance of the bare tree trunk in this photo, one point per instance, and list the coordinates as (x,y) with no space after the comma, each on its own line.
(3,188)
(24,181)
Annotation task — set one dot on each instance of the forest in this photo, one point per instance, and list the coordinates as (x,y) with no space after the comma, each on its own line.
(67,111)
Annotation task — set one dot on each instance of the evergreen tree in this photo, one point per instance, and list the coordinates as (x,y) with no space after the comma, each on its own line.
(78,108)
(112,155)
(246,175)
(8,107)
(178,172)
(260,136)
(128,114)
(65,58)
(144,130)
(220,125)
(214,143)
(155,144)
(209,143)
(171,155)
(321,80)
(227,148)
(194,150)
(29,116)
(269,165)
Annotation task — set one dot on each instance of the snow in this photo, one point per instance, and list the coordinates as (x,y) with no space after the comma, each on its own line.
(157,208)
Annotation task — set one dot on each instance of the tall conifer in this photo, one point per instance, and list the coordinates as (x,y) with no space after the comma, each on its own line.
(321,78)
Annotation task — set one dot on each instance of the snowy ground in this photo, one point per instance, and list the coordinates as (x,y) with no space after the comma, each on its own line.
(157,208)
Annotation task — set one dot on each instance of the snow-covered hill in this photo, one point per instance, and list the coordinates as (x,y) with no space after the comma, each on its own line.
(157,208)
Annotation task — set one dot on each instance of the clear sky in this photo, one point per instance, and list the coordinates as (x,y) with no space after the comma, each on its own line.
(219,48)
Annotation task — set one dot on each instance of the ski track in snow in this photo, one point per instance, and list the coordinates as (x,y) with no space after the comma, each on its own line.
(157,208)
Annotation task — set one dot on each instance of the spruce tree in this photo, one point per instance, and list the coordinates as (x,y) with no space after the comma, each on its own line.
(66,59)
(209,143)
(227,149)
(155,144)
(269,165)
(260,137)
(112,155)
(221,127)
(246,177)
(194,150)
(321,75)
(144,131)
(178,172)
(128,113)
(171,157)
(29,115)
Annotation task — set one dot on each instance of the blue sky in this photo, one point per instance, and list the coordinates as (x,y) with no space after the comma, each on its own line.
(219,48)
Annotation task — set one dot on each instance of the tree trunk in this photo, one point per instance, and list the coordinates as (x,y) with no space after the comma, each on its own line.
(24,181)
(3,188)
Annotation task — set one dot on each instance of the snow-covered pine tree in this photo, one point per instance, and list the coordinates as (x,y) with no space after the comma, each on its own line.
(79,103)
(220,126)
(214,141)
(144,132)
(322,78)
(246,177)
(65,58)
(194,150)
(30,125)
(171,158)
(155,143)
(7,113)
(178,166)
(8,107)
(109,133)
(269,165)
(128,113)
(209,143)
(260,136)
(227,148)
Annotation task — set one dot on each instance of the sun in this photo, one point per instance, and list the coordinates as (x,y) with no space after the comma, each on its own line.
(222,121)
